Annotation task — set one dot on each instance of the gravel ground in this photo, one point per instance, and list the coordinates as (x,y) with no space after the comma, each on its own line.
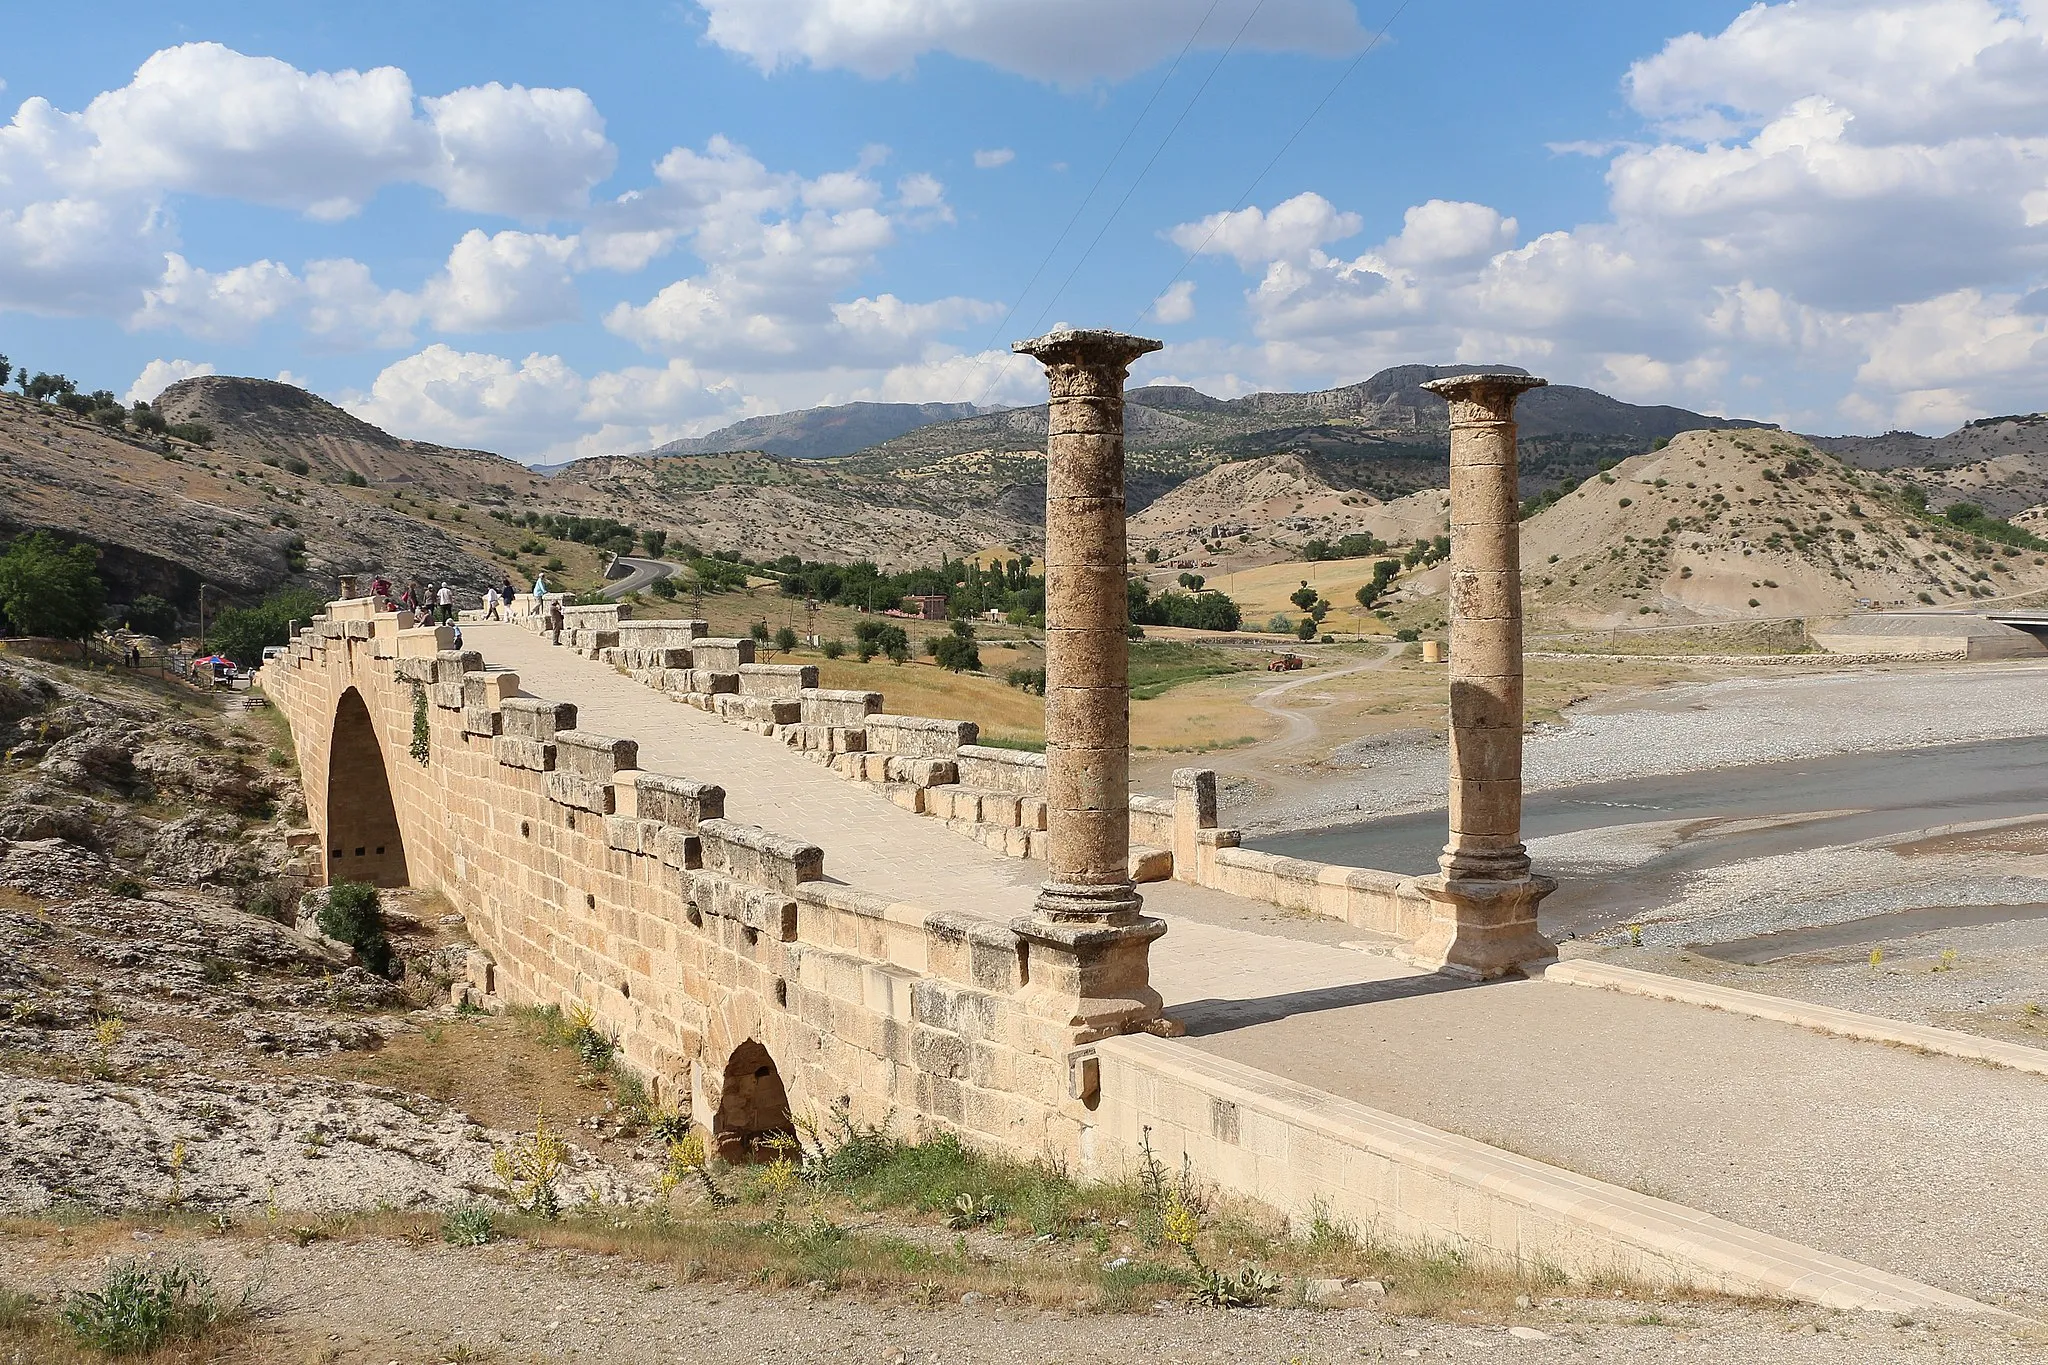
(372,1302)
(1998,972)
(1693,727)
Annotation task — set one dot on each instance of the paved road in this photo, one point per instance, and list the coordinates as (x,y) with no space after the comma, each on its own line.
(644,572)
(1926,1166)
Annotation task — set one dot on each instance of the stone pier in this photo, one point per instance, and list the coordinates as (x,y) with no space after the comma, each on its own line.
(1485,897)
(1087,932)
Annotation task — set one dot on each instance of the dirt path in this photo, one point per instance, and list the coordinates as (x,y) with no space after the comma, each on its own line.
(371,1302)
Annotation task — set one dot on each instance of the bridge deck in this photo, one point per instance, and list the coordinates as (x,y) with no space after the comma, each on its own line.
(1923,1165)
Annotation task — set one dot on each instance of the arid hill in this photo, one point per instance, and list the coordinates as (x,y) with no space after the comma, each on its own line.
(167,514)
(1735,525)
(1252,508)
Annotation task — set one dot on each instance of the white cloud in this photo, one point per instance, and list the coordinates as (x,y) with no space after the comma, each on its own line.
(159,375)
(1177,304)
(1840,215)
(988,158)
(1291,229)
(1066,41)
(780,251)
(233,303)
(345,308)
(504,282)
(84,220)
(465,398)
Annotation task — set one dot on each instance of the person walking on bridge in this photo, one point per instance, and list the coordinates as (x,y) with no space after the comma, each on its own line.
(445,600)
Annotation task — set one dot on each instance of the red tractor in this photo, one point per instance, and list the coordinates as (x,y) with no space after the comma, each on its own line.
(1284,663)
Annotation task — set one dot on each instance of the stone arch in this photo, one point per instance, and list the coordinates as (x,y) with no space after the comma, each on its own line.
(364,843)
(753,1106)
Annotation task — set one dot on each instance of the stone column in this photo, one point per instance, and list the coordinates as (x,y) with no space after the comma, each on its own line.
(1088,909)
(1486,896)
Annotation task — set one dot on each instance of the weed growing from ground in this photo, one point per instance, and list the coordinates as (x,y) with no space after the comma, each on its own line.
(107,1031)
(354,915)
(530,1167)
(472,1225)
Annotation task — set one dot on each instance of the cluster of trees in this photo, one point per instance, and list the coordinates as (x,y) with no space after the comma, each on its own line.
(1194,609)
(50,588)
(1357,545)
(1008,586)
(879,637)
(601,532)
(1424,553)
(1382,574)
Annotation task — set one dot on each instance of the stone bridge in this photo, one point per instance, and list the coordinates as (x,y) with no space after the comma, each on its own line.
(778,897)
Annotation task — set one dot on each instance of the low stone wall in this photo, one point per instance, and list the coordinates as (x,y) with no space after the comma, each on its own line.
(1309,1153)
(700,942)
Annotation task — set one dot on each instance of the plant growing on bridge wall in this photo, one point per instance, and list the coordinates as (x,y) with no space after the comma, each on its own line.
(422,733)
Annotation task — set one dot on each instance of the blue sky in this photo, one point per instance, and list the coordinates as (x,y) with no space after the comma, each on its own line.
(507,226)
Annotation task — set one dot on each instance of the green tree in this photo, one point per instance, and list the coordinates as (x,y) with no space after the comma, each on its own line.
(654,542)
(50,588)
(957,650)
(152,616)
(242,633)
(6,368)
(1304,596)
(1307,629)
(785,639)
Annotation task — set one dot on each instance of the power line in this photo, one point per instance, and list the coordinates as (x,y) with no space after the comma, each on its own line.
(1292,137)
(1188,108)
(1089,197)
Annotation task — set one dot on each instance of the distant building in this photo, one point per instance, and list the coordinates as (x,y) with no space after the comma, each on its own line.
(930,608)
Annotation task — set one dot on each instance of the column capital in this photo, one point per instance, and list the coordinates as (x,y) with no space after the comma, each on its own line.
(1483,397)
(1090,348)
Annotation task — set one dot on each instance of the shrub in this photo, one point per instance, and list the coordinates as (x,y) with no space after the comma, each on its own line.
(1027,679)
(472,1225)
(1307,629)
(833,648)
(785,639)
(354,915)
(664,588)
(198,433)
(139,1308)
(759,630)
(127,888)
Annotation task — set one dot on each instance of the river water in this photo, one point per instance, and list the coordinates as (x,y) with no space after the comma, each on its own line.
(1711,818)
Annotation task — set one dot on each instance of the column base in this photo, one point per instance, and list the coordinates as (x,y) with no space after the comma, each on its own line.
(1093,980)
(1482,929)
(1067,903)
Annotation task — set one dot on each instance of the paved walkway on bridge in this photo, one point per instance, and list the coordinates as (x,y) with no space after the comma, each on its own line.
(1926,1166)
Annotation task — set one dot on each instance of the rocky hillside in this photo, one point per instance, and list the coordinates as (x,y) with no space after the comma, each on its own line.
(1733,525)
(1287,498)
(766,506)
(262,418)
(250,513)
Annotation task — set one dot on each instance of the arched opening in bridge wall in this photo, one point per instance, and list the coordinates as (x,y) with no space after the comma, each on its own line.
(363,841)
(753,1108)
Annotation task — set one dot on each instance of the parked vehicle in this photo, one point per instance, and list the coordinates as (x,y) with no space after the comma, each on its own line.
(1285,663)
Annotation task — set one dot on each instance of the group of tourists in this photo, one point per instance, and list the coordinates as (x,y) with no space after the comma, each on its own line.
(435,606)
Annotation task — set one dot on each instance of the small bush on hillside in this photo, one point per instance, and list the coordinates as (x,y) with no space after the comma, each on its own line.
(833,648)
(354,915)
(785,639)
(1027,680)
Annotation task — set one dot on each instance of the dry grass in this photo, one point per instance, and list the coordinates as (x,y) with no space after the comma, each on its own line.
(1261,592)
(922,689)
